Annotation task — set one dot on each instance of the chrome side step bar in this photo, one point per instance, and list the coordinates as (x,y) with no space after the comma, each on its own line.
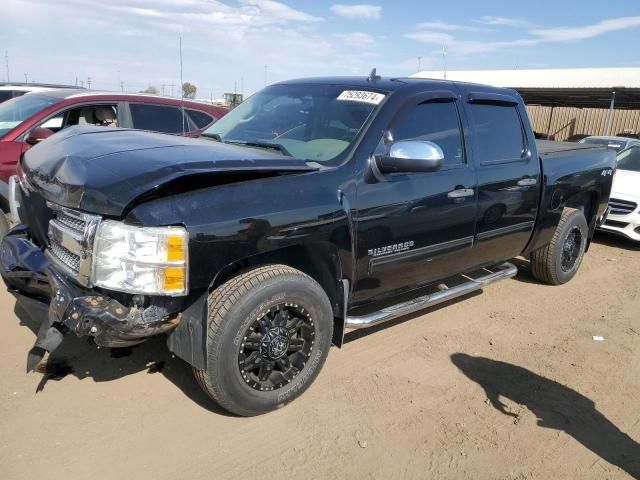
(506,270)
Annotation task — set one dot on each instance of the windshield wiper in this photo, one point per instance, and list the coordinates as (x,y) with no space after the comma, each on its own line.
(272,146)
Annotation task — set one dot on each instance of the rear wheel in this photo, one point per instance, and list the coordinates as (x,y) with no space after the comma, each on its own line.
(558,262)
(268,337)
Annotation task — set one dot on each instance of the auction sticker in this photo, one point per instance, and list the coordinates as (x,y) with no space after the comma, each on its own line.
(364,96)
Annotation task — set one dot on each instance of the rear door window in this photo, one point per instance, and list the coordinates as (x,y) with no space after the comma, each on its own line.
(201,119)
(498,132)
(158,118)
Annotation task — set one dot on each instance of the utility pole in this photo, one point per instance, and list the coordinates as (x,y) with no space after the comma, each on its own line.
(89,83)
(76,80)
(6,62)
(162,87)
(122,86)
(118,77)
(26,78)
(265,74)
(419,64)
(172,85)
(81,83)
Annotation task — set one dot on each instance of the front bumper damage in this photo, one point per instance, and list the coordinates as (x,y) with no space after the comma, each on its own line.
(111,322)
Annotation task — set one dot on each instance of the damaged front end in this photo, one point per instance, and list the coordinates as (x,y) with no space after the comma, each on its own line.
(112,322)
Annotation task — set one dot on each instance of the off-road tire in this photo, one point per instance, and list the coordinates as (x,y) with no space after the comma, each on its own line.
(546,263)
(233,308)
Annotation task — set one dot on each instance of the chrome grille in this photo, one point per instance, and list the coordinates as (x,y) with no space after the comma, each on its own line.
(621,207)
(69,221)
(65,257)
(71,234)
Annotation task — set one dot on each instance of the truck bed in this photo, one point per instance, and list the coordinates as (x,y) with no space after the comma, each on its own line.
(546,147)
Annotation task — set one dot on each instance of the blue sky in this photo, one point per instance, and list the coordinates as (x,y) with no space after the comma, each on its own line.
(229,42)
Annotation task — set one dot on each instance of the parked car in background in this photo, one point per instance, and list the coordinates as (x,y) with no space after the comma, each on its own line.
(624,217)
(616,143)
(12,90)
(31,118)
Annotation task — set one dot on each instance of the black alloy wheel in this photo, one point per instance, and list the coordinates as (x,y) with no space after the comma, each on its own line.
(276,347)
(571,249)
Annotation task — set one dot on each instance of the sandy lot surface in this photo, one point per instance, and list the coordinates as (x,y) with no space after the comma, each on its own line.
(506,384)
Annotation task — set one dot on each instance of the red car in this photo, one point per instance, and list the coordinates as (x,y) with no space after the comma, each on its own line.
(29,119)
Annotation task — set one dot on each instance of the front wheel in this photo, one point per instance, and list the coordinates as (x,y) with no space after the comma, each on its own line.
(269,332)
(558,262)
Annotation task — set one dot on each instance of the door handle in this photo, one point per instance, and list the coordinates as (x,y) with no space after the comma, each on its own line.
(461,193)
(527,182)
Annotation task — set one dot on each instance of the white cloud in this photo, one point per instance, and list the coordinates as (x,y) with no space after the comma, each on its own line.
(359,11)
(224,42)
(439,38)
(537,35)
(357,39)
(280,10)
(439,25)
(562,34)
(503,21)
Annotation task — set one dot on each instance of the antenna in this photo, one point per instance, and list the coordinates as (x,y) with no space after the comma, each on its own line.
(373,76)
(444,60)
(181,88)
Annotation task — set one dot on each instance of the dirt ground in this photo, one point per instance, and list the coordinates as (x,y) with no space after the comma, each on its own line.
(506,384)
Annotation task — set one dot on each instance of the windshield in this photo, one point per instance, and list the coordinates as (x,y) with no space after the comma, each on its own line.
(309,122)
(629,159)
(15,111)
(617,145)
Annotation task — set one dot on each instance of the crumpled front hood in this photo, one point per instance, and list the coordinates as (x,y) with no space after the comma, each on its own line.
(626,182)
(103,170)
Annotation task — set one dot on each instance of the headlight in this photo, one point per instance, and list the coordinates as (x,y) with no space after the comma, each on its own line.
(145,260)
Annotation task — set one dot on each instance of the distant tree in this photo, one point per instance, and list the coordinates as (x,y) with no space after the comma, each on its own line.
(152,90)
(189,90)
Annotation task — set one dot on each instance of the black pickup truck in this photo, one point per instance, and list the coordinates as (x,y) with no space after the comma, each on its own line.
(316,206)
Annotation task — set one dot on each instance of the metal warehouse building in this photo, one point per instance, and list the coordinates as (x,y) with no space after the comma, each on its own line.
(568,101)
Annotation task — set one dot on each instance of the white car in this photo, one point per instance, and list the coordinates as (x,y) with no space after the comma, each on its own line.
(624,217)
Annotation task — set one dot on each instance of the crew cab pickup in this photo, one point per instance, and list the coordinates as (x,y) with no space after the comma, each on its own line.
(316,206)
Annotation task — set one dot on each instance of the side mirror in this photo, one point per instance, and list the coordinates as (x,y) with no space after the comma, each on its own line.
(411,156)
(37,135)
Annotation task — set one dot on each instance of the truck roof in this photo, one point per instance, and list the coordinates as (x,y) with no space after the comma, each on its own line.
(388,84)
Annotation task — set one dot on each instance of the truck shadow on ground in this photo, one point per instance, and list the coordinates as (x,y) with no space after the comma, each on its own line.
(556,406)
(81,358)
